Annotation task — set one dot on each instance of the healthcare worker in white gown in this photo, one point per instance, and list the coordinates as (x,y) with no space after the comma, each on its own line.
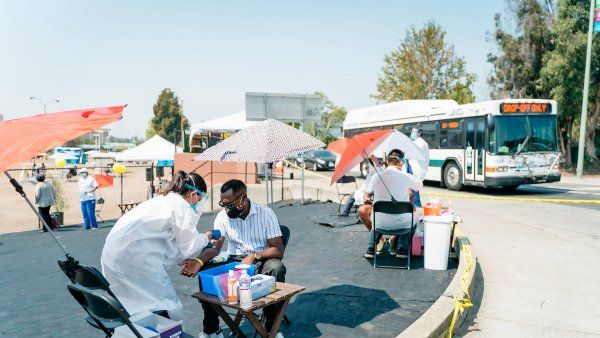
(152,237)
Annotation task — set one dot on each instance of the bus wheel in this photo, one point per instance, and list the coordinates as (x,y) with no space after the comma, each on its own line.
(364,169)
(453,177)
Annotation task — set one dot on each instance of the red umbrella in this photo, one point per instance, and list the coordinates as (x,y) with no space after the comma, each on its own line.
(338,146)
(358,147)
(22,139)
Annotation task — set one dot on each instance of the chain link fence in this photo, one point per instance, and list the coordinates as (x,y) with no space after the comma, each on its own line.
(16,215)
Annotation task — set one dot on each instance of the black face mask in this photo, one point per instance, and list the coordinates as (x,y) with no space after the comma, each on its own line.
(234,213)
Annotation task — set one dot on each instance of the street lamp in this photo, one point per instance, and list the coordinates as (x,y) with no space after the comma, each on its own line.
(42,102)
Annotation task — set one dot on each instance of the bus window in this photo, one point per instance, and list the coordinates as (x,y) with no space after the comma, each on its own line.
(451,134)
(429,133)
(407,128)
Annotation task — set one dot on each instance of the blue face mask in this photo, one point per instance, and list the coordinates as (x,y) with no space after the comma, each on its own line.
(414,136)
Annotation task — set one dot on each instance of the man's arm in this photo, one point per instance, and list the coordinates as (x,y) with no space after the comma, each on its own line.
(275,250)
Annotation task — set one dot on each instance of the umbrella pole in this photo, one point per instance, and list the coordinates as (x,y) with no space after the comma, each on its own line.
(271,179)
(266,168)
(19,190)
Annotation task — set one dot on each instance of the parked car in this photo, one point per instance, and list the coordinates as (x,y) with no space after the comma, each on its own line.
(319,159)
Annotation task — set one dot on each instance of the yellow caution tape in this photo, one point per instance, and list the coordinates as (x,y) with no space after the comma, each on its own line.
(461,303)
(514,199)
(310,172)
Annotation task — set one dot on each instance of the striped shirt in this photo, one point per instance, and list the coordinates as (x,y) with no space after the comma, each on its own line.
(251,234)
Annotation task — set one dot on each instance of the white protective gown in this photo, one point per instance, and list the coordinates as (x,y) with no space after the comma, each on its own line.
(142,245)
(419,168)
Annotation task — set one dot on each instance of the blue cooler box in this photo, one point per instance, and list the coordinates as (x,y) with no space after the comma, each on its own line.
(211,278)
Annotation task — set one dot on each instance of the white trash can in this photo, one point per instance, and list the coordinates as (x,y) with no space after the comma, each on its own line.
(437,241)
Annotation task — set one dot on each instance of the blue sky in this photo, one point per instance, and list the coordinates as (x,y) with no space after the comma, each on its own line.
(98,53)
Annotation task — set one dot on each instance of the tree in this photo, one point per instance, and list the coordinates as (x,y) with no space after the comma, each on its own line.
(563,73)
(332,116)
(166,121)
(518,63)
(425,66)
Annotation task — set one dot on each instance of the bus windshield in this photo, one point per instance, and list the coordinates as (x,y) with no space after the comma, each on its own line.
(523,133)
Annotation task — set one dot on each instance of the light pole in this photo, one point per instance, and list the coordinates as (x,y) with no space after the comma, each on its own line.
(586,88)
(42,102)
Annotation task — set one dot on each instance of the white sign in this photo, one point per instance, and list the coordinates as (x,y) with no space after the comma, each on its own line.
(283,107)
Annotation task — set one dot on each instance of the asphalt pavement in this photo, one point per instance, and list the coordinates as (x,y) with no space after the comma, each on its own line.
(344,296)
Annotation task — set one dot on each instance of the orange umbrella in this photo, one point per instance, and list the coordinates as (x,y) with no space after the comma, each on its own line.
(338,146)
(103,181)
(358,148)
(23,138)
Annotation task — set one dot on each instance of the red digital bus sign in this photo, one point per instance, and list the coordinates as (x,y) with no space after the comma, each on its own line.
(521,108)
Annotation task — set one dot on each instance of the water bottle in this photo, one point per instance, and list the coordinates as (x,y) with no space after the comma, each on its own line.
(245,293)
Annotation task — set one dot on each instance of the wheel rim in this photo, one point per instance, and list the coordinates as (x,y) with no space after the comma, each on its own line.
(453,176)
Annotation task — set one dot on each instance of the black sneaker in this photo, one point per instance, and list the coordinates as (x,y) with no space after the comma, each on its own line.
(341,214)
(370,253)
(402,253)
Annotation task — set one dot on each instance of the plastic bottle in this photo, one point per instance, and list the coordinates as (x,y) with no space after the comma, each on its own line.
(232,288)
(245,290)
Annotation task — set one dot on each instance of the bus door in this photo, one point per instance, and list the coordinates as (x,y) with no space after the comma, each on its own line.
(474,149)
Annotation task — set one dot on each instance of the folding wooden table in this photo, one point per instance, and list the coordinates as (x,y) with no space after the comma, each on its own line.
(283,294)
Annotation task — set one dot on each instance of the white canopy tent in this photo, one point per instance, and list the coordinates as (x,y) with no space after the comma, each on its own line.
(99,154)
(155,149)
(226,124)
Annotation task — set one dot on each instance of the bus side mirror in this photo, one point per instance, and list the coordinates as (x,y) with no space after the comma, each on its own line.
(490,123)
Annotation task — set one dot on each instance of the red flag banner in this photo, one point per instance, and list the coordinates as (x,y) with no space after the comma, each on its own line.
(104,181)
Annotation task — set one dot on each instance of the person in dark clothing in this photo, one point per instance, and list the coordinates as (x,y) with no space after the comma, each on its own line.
(44,198)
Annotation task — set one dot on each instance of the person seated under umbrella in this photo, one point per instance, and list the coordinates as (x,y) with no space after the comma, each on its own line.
(357,197)
(392,183)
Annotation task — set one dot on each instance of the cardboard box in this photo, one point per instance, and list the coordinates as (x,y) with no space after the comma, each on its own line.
(167,328)
(262,285)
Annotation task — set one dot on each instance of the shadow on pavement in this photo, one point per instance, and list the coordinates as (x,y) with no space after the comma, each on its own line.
(342,305)
(524,190)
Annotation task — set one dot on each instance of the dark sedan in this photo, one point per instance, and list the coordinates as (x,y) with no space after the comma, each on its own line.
(319,160)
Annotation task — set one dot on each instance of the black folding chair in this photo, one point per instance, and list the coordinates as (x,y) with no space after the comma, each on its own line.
(343,195)
(394,208)
(104,310)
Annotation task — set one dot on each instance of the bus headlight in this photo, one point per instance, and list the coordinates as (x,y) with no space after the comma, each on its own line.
(502,169)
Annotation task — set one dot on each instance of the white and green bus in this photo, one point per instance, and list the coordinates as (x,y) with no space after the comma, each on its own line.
(501,143)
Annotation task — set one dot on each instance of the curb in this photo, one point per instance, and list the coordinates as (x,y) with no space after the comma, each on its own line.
(435,322)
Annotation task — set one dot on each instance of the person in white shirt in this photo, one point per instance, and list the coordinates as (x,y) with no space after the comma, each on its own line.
(393,182)
(419,167)
(357,198)
(87,194)
(254,237)
(153,237)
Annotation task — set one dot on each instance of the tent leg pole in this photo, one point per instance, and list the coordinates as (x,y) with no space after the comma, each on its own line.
(19,190)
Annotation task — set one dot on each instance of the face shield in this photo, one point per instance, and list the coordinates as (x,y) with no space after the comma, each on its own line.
(198,207)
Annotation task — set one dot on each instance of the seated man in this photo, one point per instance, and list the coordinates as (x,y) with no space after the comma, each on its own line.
(358,196)
(254,237)
(397,183)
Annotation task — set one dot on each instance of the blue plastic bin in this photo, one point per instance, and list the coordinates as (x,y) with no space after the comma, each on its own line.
(209,280)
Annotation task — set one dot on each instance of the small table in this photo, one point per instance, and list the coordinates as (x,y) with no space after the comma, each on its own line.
(284,293)
(125,207)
